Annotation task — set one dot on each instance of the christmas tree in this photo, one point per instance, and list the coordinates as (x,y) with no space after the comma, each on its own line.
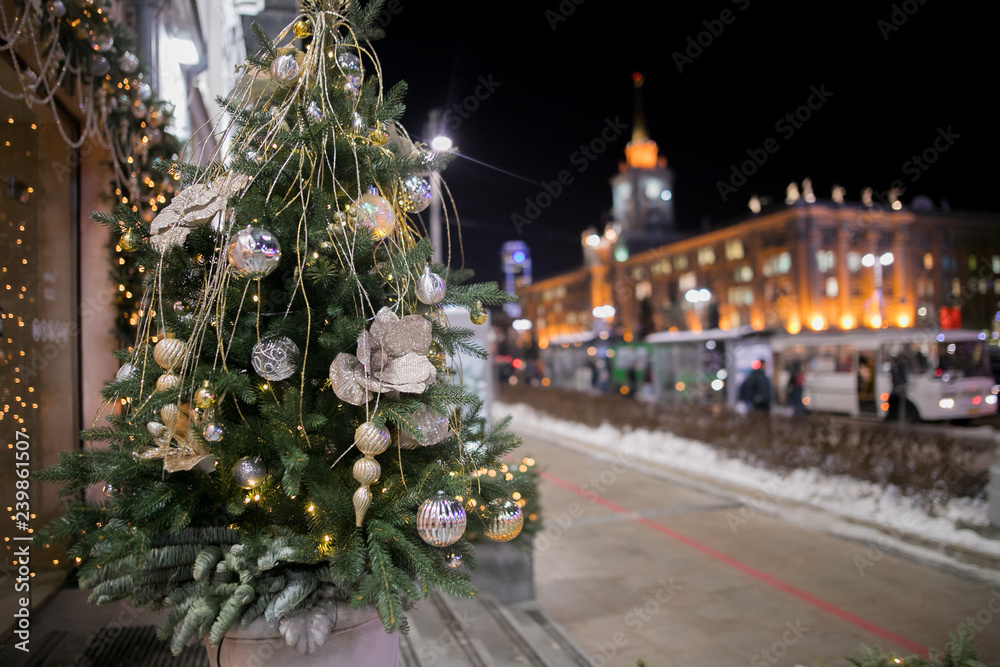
(290,412)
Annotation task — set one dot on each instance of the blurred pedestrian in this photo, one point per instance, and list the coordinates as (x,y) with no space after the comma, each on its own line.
(794,390)
(756,388)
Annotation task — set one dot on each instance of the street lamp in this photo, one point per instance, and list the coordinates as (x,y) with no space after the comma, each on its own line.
(439,144)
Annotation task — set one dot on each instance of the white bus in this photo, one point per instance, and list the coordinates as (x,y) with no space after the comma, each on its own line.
(940,374)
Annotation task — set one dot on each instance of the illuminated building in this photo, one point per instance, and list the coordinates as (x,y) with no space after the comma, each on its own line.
(808,265)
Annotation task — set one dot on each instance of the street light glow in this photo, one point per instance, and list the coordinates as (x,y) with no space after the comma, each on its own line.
(868,260)
(605,312)
(886,259)
(521,325)
(441,143)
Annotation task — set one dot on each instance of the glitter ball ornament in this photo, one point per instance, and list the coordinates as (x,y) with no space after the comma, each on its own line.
(371,440)
(144,91)
(453,560)
(478,314)
(169,353)
(441,520)
(139,110)
(156,429)
(430,287)
(253,252)
(204,396)
(375,213)
(125,372)
(128,62)
(167,381)
(130,240)
(249,472)
(284,69)
(504,520)
(302,28)
(212,432)
(274,358)
(431,429)
(56,8)
(414,194)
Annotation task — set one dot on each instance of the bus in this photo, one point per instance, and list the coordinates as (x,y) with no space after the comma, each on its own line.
(692,366)
(905,374)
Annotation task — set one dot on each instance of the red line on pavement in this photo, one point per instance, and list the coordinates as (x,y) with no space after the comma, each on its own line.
(737,564)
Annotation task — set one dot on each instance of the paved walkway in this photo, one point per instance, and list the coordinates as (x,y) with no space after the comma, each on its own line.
(633,566)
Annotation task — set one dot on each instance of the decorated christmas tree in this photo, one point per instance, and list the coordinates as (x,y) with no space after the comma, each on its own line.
(288,428)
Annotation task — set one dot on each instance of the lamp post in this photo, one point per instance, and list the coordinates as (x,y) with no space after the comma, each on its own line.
(440,143)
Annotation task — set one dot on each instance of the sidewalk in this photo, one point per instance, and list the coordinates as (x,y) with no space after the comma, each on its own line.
(959,538)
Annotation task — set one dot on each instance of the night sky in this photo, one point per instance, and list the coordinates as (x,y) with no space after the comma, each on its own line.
(886,81)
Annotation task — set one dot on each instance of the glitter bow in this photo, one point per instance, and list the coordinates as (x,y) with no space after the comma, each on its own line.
(193,206)
(392,356)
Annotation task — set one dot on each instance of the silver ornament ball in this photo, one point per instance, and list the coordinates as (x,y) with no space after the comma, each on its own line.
(284,69)
(213,432)
(431,287)
(253,253)
(128,62)
(275,358)
(441,520)
(453,560)
(249,472)
(348,62)
(99,66)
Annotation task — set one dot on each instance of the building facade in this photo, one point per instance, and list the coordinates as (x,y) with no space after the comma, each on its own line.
(808,265)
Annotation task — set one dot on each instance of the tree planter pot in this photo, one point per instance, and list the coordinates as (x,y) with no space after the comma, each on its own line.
(358,639)
(506,570)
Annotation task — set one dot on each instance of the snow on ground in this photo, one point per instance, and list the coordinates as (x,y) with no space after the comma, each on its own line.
(850,503)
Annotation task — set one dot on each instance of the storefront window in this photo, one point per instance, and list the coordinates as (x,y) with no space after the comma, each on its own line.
(39,358)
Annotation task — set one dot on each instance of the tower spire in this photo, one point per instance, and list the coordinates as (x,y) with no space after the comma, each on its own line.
(639,131)
(641,152)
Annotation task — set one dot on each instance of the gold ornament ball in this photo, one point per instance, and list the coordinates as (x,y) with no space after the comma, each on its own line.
(302,28)
(167,382)
(129,241)
(204,396)
(504,520)
(478,314)
(371,440)
(169,353)
(436,352)
(366,470)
